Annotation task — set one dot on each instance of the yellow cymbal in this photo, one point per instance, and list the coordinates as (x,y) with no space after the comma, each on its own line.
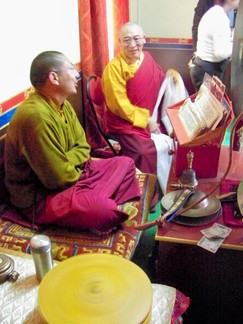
(96,288)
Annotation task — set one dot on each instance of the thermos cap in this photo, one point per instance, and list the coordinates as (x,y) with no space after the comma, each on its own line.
(40,243)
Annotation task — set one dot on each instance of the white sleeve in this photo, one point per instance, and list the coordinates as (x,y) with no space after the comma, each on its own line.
(222,40)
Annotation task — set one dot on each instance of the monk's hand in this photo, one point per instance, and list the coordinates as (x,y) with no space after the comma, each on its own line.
(174,74)
(153,127)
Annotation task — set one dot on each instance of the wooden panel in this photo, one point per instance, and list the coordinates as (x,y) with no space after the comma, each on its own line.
(177,59)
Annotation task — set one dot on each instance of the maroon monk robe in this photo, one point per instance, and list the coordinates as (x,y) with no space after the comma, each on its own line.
(142,90)
(92,202)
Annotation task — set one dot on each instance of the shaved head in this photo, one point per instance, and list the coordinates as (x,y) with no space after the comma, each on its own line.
(131,26)
(43,64)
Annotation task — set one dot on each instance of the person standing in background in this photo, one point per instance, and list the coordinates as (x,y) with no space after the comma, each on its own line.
(202,7)
(215,42)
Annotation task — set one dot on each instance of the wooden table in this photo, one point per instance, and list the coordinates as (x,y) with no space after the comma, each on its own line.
(213,281)
(172,232)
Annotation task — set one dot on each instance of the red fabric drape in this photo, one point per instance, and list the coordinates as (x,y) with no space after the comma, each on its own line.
(93,36)
(120,17)
(94,57)
(94,51)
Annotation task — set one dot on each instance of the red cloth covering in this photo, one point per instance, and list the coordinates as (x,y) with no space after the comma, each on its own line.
(231,212)
(92,202)
(142,90)
(182,303)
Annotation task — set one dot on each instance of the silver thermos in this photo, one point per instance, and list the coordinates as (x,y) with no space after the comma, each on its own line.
(40,247)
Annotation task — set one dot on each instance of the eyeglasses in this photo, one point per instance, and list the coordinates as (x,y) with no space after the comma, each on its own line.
(129,40)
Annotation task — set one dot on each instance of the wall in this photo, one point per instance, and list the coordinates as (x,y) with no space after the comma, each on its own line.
(163,18)
(28,27)
(167,26)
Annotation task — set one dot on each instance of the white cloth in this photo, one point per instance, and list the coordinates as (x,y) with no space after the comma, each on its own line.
(169,94)
(215,41)
(163,303)
(163,144)
(18,300)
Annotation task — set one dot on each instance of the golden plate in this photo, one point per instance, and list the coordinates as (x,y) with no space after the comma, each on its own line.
(213,205)
(96,288)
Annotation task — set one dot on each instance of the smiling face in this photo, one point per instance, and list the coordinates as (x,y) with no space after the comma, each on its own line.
(132,40)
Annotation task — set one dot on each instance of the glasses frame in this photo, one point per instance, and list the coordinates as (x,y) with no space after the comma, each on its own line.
(130,40)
